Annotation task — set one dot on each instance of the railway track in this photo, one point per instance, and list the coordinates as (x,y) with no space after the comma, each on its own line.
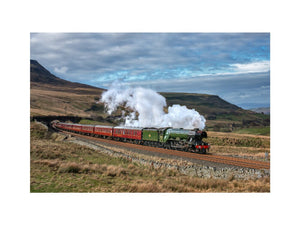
(234,161)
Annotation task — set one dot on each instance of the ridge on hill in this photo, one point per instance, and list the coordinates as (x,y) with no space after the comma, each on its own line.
(211,105)
(51,95)
(220,115)
(41,77)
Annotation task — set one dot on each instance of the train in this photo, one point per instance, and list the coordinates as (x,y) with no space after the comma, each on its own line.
(164,137)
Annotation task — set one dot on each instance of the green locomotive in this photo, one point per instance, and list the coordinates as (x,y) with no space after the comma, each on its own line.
(174,138)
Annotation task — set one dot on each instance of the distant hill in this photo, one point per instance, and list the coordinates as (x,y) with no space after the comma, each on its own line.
(220,114)
(41,77)
(264,110)
(210,105)
(51,95)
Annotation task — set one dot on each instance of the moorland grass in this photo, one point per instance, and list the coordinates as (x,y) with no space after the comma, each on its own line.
(254,130)
(57,165)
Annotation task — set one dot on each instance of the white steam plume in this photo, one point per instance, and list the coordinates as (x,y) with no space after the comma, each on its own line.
(150,108)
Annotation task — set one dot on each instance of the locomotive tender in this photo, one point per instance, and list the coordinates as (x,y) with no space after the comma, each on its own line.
(166,137)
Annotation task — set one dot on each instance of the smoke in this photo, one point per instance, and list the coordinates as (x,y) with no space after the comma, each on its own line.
(147,109)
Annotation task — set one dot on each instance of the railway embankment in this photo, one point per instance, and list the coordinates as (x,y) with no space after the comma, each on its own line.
(191,167)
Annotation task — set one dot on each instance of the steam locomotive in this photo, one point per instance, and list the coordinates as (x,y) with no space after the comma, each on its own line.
(167,137)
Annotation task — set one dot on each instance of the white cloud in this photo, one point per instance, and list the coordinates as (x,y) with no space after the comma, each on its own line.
(262,66)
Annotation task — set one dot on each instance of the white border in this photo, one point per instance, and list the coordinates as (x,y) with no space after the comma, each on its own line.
(19,18)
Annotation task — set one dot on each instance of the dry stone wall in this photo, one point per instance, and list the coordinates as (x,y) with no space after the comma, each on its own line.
(198,170)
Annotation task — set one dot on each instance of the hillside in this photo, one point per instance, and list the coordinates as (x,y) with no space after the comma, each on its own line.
(209,105)
(220,114)
(50,95)
(41,78)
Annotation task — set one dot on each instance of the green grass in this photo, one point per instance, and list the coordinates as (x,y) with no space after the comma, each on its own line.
(239,142)
(90,122)
(258,131)
(93,122)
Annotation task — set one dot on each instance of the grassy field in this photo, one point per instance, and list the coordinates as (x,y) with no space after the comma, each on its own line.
(92,122)
(243,145)
(56,100)
(254,130)
(60,166)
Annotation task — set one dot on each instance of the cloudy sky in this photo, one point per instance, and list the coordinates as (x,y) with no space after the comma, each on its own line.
(235,66)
